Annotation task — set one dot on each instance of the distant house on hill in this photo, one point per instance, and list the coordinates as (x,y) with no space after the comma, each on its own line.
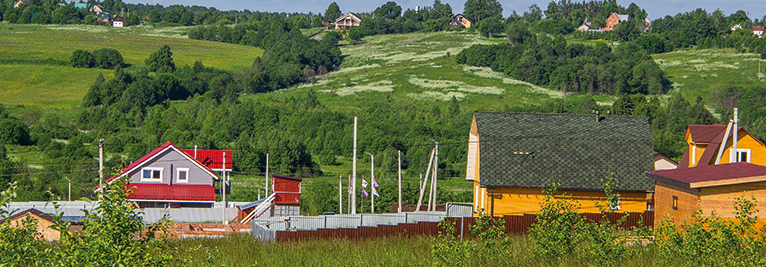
(585,26)
(758,30)
(613,20)
(81,5)
(347,21)
(736,27)
(104,17)
(118,22)
(460,21)
(98,9)
(19,3)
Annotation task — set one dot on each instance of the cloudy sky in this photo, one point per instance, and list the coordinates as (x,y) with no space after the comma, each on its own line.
(655,8)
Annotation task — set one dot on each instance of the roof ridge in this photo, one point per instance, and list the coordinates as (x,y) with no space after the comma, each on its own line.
(558,114)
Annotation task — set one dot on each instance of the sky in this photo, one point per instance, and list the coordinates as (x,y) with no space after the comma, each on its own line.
(655,8)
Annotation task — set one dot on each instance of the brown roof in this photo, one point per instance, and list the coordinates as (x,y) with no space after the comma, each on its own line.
(713,175)
(33,211)
(710,134)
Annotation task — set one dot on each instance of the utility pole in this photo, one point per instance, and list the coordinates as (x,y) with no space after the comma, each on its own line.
(101,165)
(223,188)
(340,194)
(399,152)
(372,186)
(734,155)
(423,186)
(69,198)
(436,168)
(353,173)
(267,175)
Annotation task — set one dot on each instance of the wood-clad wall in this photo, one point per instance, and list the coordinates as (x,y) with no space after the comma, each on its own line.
(519,201)
(721,199)
(663,199)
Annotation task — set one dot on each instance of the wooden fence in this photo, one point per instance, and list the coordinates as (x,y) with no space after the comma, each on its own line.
(515,224)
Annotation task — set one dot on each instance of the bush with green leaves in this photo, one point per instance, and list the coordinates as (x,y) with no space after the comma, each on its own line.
(82,59)
(555,231)
(713,240)
(107,58)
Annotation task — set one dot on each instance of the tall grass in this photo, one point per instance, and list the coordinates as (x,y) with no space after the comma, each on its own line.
(244,250)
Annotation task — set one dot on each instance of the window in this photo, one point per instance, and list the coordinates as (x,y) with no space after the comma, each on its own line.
(614,203)
(743,155)
(151,174)
(183,175)
(675,202)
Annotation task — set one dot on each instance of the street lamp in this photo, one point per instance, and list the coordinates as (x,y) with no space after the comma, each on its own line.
(372,186)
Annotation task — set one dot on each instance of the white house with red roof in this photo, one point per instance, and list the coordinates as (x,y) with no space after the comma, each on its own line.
(168,177)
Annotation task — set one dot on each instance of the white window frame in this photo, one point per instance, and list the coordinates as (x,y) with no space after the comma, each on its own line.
(178,175)
(616,207)
(746,150)
(143,179)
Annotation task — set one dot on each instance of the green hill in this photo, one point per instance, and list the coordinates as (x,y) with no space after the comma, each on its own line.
(33,58)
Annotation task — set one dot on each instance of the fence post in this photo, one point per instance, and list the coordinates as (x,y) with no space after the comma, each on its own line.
(325,222)
(462,227)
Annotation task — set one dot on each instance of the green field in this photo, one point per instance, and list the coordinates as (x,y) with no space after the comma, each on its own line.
(697,72)
(33,58)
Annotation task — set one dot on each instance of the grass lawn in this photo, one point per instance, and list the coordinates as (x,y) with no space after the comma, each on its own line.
(33,58)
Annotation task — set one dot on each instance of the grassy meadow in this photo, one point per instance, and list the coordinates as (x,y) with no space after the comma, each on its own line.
(699,72)
(34,58)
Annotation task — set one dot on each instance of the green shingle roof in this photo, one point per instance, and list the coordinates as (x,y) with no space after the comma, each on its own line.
(533,150)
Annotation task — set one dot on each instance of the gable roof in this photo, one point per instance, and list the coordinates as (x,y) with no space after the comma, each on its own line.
(350,15)
(117,18)
(176,192)
(533,150)
(104,15)
(25,212)
(712,135)
(757,28)
(712,175)
(157,151)
(621,17)
(213,159)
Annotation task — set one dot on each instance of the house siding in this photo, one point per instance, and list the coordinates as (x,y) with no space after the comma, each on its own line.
(688,202)
(721,199)
(519,201)
(170,160)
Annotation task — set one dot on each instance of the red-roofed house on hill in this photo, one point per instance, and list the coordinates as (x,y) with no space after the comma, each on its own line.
(679,193)
(168,177)
(704,144)
(758,30)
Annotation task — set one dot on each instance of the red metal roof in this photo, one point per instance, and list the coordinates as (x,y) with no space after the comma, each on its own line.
(176,192)
(757,28)
(709,173)
(213,159)
(148,156)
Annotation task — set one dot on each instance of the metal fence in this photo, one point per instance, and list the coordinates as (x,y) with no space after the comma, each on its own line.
(345,220)
(416,225)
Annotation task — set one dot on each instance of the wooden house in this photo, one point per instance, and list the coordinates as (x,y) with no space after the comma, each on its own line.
(662,162)
(169,178)
(460,21)
(44,223)
(512,156)
(585,26)
(704,145)
(708,188)
(118,22)
(613,20)
(347,21)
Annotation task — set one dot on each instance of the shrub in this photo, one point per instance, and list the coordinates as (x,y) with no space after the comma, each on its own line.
(82,59)
(107,58)
(161,60)
(14,131)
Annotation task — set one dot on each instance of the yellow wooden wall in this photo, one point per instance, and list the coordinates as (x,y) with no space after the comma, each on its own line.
(663,199)
(744,141)
(43,227)
(518,201)
(718,199)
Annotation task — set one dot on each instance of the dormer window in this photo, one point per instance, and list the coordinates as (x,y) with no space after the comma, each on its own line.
(743,155)
(151,174)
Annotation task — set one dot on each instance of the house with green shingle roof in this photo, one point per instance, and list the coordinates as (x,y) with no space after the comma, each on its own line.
(512,156)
